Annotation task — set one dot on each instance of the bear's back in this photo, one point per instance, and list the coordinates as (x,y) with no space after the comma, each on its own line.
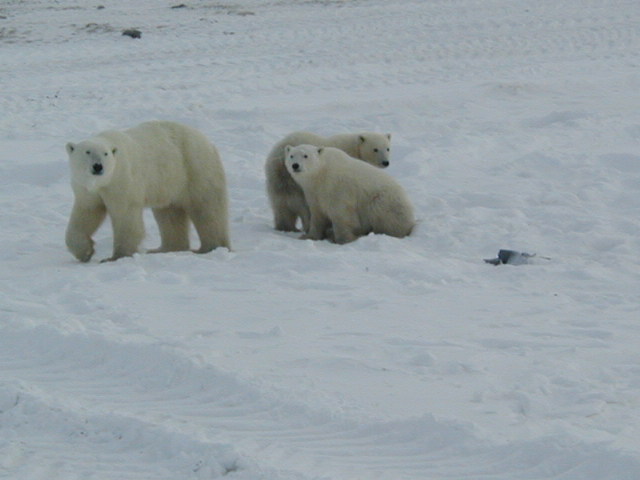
(338,163)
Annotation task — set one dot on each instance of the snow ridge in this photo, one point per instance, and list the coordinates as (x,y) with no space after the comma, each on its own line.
(194,421)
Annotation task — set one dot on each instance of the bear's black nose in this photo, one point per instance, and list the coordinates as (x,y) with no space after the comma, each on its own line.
(97,169)
(385,163)
(296,167)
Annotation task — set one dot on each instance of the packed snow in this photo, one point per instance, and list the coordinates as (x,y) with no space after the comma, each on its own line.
(515,125)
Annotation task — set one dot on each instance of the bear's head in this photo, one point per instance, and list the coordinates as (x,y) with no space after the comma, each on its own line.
(92,163)
(301,160)
(374,148)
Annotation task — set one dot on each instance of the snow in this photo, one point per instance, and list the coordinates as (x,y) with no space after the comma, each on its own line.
(514,126)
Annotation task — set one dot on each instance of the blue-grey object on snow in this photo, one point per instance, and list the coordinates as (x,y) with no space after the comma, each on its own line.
(511,257)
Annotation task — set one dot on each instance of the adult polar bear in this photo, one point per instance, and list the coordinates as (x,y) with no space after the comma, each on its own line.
(169,167)
(348,196)
(285,195)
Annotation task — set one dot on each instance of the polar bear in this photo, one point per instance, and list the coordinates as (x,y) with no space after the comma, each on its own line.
(286,197)
(169,167)
(347,196)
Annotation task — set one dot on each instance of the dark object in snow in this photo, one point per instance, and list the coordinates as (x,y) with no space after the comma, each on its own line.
(132,32)
(182,5)
(511,257)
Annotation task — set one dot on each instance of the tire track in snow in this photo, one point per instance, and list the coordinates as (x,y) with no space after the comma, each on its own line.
(147,408)
(48,436)
(270,53)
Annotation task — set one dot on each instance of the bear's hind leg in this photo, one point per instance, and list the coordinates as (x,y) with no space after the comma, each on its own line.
(346,227)
(173,224)
(212,227)
(343,234)
(284,217)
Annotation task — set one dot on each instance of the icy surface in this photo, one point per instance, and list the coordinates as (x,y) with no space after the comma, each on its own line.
(515,125)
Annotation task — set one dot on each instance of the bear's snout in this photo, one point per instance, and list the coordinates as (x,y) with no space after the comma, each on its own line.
(385,163)
(295,167)
(97,169)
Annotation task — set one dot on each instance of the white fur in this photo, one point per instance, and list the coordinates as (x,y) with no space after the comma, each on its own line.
(286,197)
(169,167)
(346,196)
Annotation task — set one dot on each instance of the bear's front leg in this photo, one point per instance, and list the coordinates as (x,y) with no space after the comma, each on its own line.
(128,232)
(319,223)
(84,221)
(305,216)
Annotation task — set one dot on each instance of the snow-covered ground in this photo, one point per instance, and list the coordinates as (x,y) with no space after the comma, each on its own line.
(515,125)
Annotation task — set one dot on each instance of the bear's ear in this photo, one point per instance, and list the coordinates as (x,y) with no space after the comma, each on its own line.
(287,149)
(70,147)
(114,150)
(388,136)
(362,139)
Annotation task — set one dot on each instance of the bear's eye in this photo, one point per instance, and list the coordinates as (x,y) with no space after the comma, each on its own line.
(387,149)
(306,156)
(88,152)
(106,154)
(375,150)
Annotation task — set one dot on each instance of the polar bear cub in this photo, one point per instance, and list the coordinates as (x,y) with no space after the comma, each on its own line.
(285,195)
(348,196)
(170,167)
